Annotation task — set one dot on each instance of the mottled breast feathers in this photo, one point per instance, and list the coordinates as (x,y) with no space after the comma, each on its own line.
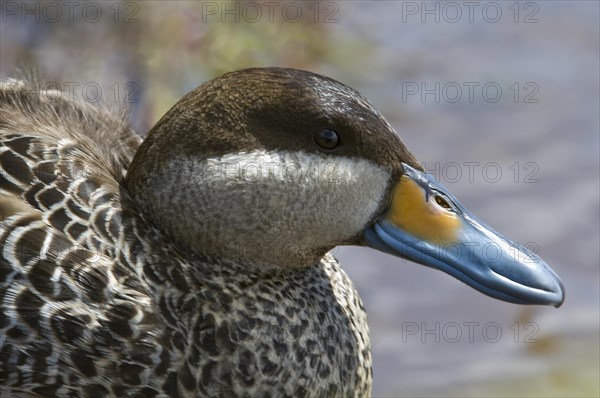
(96,302)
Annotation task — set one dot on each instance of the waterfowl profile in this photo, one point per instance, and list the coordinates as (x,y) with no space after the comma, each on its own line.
(196,263)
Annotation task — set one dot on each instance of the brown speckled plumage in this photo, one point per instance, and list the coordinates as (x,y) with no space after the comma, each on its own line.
(97,301)
(197,262)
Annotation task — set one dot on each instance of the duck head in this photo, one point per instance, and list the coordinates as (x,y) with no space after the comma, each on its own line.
(273,167)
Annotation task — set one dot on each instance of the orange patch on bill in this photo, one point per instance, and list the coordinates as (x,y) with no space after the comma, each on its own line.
(412,213)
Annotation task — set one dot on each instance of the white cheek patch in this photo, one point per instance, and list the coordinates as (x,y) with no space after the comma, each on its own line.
(271,168)
(309,192)
(273,199)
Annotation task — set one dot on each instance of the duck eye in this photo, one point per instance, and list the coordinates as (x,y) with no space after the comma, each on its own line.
(442,202)
(327,139)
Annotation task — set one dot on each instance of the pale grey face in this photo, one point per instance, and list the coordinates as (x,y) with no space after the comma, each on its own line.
(277,208)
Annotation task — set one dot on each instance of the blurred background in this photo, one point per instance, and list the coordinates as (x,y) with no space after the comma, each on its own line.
(499,100)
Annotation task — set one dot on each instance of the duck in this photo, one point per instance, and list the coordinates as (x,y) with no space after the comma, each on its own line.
(198,261)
